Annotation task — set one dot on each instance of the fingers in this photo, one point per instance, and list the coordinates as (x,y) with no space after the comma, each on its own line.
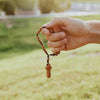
(57,44)
(53,36)
(45,32)
(56,36)
(50,29)
(54,50)
(53,22)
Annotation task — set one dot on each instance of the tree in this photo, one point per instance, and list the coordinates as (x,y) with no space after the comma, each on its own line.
(8,6)
(46,6)
(25,4)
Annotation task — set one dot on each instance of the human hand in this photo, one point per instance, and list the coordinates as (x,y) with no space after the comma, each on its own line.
(64,33)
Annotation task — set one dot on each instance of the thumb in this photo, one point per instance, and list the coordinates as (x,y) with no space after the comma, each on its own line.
(52,23)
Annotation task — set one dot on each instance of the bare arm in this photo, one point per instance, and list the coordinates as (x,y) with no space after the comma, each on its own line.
(94,31)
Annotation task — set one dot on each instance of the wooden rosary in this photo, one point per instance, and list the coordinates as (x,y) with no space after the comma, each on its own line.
(48,66)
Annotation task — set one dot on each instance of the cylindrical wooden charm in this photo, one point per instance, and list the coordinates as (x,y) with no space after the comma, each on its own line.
(48,68)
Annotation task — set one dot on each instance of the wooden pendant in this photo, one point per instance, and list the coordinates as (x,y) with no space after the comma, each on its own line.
(48,68)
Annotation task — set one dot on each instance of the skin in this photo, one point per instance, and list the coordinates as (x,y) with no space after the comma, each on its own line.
(65,33)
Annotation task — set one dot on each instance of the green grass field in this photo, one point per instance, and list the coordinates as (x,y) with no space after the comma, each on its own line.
(75,74)
(21,38)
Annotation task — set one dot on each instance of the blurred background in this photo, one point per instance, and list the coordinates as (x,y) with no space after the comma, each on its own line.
(75,74)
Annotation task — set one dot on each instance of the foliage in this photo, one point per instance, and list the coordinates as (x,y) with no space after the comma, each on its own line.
(62,5)
(8,7)
(68,5)
(46,6)
(25,4)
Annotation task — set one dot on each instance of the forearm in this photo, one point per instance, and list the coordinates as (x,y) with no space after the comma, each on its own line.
(94,31)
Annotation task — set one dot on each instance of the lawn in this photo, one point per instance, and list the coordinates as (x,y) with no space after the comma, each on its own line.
(21,37)
(75,74)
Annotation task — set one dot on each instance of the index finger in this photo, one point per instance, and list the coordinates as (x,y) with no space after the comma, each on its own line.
(45,31)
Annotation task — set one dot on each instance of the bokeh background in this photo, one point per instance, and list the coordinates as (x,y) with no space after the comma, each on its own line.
(75,74)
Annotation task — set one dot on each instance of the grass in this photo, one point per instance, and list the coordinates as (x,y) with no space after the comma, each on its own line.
(21,37)
(75,74)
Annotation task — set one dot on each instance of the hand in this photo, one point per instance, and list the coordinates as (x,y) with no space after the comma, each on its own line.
(69,33)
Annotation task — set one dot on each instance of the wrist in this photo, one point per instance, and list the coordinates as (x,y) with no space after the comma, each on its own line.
(93,29)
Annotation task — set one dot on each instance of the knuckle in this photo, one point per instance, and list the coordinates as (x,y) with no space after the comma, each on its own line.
(64,40)
(63,34)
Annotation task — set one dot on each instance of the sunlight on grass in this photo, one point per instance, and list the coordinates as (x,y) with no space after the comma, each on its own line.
(76,78)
